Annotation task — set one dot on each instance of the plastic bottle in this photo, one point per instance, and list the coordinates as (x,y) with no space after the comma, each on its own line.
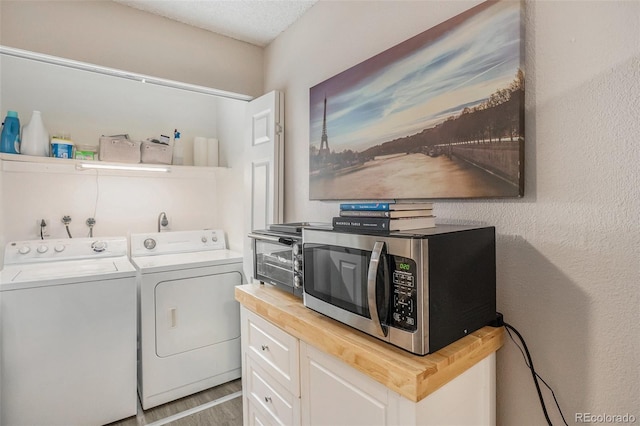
(10,139)
(35,138)
(178,149)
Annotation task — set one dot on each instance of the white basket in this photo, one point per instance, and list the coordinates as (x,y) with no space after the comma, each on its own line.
(156,153)
(119,149)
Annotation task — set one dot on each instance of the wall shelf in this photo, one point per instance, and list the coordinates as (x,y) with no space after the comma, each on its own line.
(17,163)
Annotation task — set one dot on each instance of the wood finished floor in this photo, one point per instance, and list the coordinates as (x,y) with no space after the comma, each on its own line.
(228,413)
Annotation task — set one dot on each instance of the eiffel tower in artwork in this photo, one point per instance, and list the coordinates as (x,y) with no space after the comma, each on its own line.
(324,140)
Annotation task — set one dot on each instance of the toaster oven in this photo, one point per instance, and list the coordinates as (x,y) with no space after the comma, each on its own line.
(277,258)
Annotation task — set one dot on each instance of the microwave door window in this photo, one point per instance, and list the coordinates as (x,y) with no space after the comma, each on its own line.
(338,275)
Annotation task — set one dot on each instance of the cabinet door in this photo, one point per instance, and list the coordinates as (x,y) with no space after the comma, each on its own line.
(336,394)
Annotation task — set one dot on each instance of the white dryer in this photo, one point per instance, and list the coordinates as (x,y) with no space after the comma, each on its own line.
(68,324)
(189,320)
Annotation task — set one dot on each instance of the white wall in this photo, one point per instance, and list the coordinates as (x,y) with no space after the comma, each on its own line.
(117,36)
(87,105)
(568,252)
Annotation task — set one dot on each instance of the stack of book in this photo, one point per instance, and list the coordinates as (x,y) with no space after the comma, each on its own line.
(384,217)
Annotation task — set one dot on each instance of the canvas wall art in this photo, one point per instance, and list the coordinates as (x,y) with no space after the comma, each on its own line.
(438,116)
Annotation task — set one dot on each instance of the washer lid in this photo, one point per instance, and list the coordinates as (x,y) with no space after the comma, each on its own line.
(199,259)
(64,272)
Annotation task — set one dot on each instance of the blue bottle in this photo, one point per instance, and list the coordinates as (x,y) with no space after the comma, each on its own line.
(10,138)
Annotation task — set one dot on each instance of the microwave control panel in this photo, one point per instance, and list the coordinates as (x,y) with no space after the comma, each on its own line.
(404,295)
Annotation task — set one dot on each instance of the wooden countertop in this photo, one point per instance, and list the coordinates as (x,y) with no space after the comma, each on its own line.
(412,376)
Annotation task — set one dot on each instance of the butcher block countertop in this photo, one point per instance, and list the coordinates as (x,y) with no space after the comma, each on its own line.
(412,376)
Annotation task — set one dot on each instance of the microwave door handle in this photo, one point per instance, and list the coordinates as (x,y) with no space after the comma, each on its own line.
(372,274)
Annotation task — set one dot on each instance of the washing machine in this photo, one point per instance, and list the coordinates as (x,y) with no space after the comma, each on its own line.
(68,324)
(189,320)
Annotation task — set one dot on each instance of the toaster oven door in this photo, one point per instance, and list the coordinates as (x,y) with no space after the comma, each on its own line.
(274,261)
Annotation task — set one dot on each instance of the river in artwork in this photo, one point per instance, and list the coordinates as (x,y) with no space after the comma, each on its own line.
(410,176)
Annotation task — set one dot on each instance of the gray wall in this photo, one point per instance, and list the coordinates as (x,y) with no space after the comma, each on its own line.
(569,251)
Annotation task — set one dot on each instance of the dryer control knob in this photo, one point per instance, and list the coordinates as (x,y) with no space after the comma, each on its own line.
(214,238)
(42,249)
(24,250)
(203,239)
(59,248)
(99,246)
(149,243)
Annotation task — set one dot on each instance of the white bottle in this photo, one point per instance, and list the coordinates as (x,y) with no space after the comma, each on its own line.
(35,138)
(178,152)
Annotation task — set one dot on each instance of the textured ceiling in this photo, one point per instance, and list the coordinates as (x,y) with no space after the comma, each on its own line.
(253,21)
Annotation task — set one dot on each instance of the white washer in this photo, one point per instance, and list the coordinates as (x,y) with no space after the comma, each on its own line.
(68,323)
(189,320)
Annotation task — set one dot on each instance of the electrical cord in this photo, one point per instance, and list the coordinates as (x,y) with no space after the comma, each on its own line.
(529,362)
(539,377)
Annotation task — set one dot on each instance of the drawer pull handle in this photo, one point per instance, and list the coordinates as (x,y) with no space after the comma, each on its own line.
(265,347)
(267,399)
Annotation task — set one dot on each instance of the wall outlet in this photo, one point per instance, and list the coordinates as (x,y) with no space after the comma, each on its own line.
(43,232)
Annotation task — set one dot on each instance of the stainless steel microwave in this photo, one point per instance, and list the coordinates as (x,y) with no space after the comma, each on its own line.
(417,290)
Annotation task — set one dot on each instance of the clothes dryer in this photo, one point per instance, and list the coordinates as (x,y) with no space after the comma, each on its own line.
(68,332)
(189,320)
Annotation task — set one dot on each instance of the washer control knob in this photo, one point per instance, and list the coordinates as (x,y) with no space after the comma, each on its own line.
(149,243)
(24,250)
(99,246)
(42,249)
(203,239)
(59,248)
(214,237)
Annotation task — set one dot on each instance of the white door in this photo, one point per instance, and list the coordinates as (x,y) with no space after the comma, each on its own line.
(333,393)
(263,167)
(193,312)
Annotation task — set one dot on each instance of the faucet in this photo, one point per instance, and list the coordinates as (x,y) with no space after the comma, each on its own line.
(162,221)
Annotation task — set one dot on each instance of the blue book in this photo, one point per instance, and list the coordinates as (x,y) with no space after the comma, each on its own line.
(391,206)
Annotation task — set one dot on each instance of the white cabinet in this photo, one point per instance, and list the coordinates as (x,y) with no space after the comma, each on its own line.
(288,382)
(270,373)
(335,394)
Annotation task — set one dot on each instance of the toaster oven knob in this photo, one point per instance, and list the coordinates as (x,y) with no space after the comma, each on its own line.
(296,281)
(297,265)
(296,249)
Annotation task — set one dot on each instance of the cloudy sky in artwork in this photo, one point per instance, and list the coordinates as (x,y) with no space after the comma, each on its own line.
(460,68)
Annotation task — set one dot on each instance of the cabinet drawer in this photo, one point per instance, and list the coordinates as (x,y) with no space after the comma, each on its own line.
(276,351)
(257,418)
(269,396)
